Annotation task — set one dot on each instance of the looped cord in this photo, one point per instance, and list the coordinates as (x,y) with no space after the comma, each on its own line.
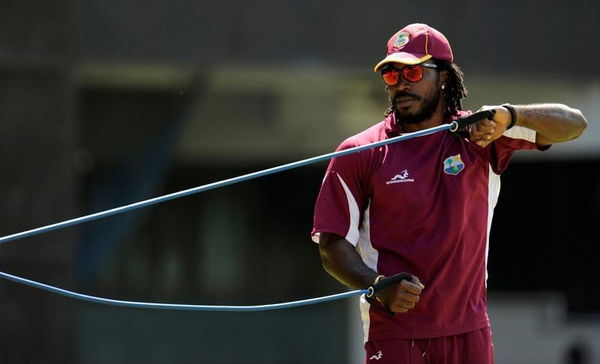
(226,182)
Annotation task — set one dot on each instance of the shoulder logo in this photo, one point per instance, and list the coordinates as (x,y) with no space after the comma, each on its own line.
(401,39)
(453,165)
(400,178)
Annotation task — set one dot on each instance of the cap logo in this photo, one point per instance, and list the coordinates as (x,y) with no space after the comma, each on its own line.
(401,39)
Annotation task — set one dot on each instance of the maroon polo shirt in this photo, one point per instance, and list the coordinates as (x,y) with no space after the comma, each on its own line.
(422,206)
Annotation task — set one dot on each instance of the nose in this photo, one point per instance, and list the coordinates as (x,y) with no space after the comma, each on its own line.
(401,85)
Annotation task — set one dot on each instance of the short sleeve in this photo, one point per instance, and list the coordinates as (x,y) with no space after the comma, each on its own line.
(502,149)
(343,196)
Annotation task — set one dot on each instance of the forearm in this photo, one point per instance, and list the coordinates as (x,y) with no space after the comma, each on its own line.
(341,260)
(554,123)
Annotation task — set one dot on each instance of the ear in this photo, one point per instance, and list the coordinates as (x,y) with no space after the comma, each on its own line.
(443,77)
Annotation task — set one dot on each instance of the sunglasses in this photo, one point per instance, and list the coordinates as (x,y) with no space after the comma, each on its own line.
(412,73)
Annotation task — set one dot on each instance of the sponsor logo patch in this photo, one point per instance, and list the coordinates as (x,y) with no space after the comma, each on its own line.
(377,356)
(401,177)
(453,165)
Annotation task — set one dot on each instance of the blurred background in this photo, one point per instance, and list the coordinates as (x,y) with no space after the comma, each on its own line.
(104,103)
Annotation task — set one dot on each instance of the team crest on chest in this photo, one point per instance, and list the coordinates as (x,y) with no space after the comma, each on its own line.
(453,165)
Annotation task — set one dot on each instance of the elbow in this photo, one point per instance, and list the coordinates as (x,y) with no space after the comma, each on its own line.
(579,123)
(325,257)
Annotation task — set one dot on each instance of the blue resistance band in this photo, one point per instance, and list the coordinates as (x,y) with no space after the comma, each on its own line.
(180,307)
(455,126)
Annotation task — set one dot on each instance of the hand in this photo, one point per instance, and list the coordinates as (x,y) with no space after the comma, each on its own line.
(486,131)
(402,296)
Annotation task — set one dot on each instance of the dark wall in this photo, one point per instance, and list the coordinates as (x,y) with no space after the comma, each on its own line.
(543,237)
(508,36)
(39,178)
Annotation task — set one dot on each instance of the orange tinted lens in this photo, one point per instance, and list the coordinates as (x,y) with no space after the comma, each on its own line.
(413,73)
(390,77)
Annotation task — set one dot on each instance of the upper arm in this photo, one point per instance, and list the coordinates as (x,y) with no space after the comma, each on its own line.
(327,240)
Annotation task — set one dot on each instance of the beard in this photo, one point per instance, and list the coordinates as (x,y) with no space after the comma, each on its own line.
(428,107)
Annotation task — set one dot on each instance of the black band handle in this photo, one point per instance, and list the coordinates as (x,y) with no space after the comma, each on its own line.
(459,124)
(388,281)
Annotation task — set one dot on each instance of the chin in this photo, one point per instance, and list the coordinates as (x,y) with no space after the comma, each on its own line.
(407,116)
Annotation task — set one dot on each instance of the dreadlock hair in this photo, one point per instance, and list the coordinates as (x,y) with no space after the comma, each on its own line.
(454,90)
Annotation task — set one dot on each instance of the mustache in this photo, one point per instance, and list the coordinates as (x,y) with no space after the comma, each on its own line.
(403,94)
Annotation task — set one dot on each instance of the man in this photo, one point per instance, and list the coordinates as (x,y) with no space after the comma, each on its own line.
(424,205)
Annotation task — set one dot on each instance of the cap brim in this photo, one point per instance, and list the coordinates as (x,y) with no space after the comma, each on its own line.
(402,57)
